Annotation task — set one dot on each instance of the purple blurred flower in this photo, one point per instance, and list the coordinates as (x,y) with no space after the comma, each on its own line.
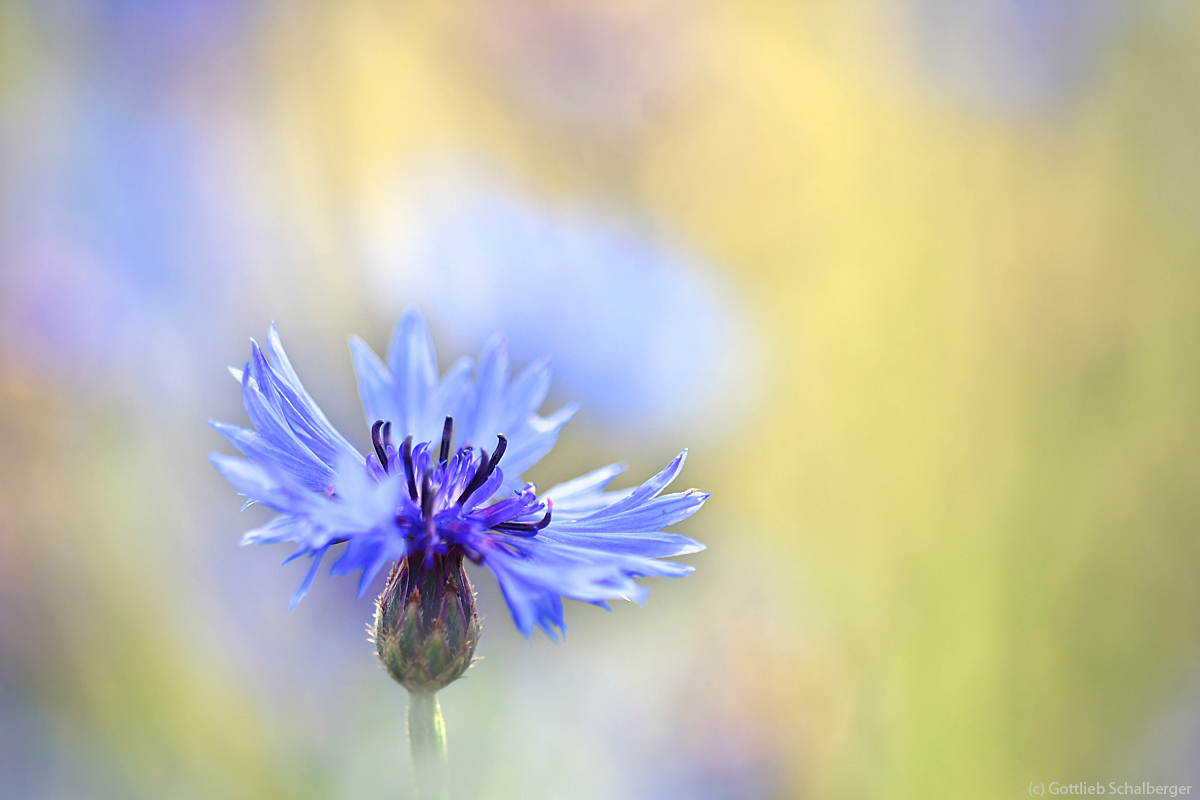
(124,219)
(1011,56)
(439,494)
(640,329)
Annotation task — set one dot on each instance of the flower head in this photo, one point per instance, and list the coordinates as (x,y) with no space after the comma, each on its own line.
(442,481)
(426,626)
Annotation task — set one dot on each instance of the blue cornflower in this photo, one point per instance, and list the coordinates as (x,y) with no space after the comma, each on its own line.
(443,484)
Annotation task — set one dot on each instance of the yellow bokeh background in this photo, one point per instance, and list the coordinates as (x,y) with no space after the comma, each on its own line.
(953,530)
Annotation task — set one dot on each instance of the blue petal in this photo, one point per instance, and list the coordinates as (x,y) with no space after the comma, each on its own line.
(491,392)
(297,411)
(528,392)
(652,515)
(299,551)
(254,481)
(529,604)
(455,397)
(264,406)
(647,490)
(534,577)
(650,544)
(315,476)
(586,494)
(284,528)
(533,440)
(322,428)
(368,552)
(308,579)
(414,373)
(375,388)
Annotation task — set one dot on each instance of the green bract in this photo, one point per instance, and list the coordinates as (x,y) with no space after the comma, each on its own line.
(426,626)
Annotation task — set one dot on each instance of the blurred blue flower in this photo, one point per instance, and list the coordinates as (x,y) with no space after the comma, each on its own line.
(122,252)
(640,330)
(1010,56)
(155,42)
(439,495)
(125,223)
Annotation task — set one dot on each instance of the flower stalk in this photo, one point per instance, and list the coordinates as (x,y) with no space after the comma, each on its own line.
(427,739)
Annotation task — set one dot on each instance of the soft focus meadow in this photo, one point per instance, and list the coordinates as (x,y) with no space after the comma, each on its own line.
(916,281)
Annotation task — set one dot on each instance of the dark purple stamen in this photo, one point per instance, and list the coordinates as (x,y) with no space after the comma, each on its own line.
(501,446)
(476,479)
(528,528)
(406,449)
(377,440)
(387,433)
(485,468)
(447,434)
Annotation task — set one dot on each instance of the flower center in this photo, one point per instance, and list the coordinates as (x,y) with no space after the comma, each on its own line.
(447,504)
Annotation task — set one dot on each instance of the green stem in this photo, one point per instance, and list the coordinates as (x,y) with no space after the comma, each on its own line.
(427,737)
